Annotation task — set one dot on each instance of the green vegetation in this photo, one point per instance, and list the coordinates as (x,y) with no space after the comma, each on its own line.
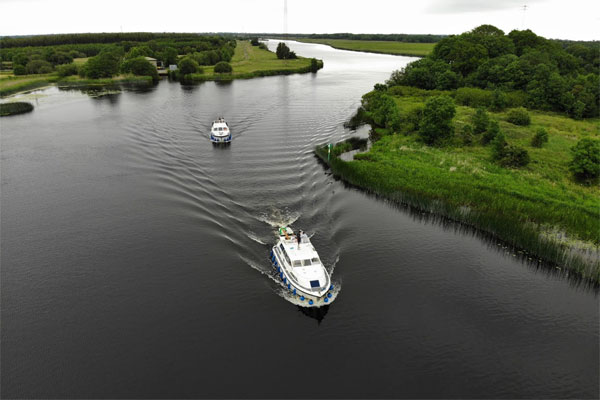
(284,53)
(15,84)
(518,67)
(368,46)
(141,67)
(223,67)
(523,175)
(15,108)
(251,61)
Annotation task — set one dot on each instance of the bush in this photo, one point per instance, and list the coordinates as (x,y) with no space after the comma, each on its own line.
(586,159)
(499,100)
(541,137)
(254,41)
(141,67)
(508,155)
(19,70)
(467,135)
(223,67)
(518,116)
(473,97)
(104,65)
(491,133)
(38,67)
(480,121)
(187,66)
(314,65)
(67,70)
(437,120)
(18,107)
(284,53)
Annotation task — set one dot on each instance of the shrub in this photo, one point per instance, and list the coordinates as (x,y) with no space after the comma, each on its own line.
(141,67)
(508,155)
(480,121)
(18,107)
(540,137)
(38,67)
(467,135)
(67,70)
(436,124)
(499,100)
(586,159)
(254,41)
(491,133)
(519,116)
(314,65)
(104,65)
(284,53)
(473,97)
(187,66)
(19,70)
(223,67)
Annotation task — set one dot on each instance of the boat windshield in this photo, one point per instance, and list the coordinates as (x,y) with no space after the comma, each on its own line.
(297,263)
(306,263)
(316,260)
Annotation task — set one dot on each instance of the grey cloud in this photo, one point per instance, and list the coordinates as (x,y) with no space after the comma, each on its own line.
(465,6)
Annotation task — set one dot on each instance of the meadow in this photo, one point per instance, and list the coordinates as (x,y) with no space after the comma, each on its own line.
(374,46)
(540,208)
(250,61)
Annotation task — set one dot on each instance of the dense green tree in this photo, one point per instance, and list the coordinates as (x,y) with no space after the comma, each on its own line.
(223,67)
(436,124)
(585,164)
(283,52)
(104,65)
(254,41)
(141,67)
(187,66)
(540,137)
(168,55)
(67,70)
(480,121)
(38,67)
(491,133)
(19,69)
(518,116)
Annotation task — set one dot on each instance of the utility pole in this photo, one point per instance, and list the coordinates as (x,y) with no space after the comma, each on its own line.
(285,32)
(524,8)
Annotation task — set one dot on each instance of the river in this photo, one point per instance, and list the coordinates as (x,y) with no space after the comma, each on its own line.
(134,258)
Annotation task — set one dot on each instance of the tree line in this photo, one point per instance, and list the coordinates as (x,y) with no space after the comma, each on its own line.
(549,75)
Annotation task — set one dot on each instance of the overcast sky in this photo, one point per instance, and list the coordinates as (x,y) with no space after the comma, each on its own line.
(572,19)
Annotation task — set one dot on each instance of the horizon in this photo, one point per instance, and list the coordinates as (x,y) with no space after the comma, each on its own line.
(578,22)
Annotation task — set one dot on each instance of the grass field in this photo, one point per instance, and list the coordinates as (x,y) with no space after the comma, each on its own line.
(372,46)
(10,84)
(249,61)
(539,208)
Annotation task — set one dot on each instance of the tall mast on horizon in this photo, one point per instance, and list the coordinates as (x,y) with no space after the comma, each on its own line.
(285,32)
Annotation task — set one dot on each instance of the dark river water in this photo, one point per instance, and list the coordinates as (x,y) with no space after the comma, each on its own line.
(134,259)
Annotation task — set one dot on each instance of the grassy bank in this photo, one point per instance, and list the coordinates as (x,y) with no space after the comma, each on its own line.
(539,208)
(373,46)
(10,84)
(250,61)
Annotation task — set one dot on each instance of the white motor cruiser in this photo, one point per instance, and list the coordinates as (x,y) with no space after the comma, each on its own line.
(301,269)
(219,132)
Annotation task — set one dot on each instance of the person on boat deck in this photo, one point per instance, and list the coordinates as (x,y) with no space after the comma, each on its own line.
(299,237)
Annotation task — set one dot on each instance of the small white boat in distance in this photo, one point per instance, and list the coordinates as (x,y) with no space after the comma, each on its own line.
(219,132)
(301,269)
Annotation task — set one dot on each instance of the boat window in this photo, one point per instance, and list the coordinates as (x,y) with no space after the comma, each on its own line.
(316,260)
(297,263)
(220,129)
(306,262)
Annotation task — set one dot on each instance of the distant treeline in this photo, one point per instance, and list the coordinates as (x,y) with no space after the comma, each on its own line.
(547,74)
(110,53)
(393,37)
(81,38)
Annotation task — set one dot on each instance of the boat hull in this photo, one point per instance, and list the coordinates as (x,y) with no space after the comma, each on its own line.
(306,298)
(220,139)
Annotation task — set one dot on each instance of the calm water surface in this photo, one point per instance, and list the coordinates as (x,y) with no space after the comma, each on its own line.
(134,259)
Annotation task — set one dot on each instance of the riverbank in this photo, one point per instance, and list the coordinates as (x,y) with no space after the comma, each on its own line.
(374,46)
(13,85)
(251,61)
(539,208)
